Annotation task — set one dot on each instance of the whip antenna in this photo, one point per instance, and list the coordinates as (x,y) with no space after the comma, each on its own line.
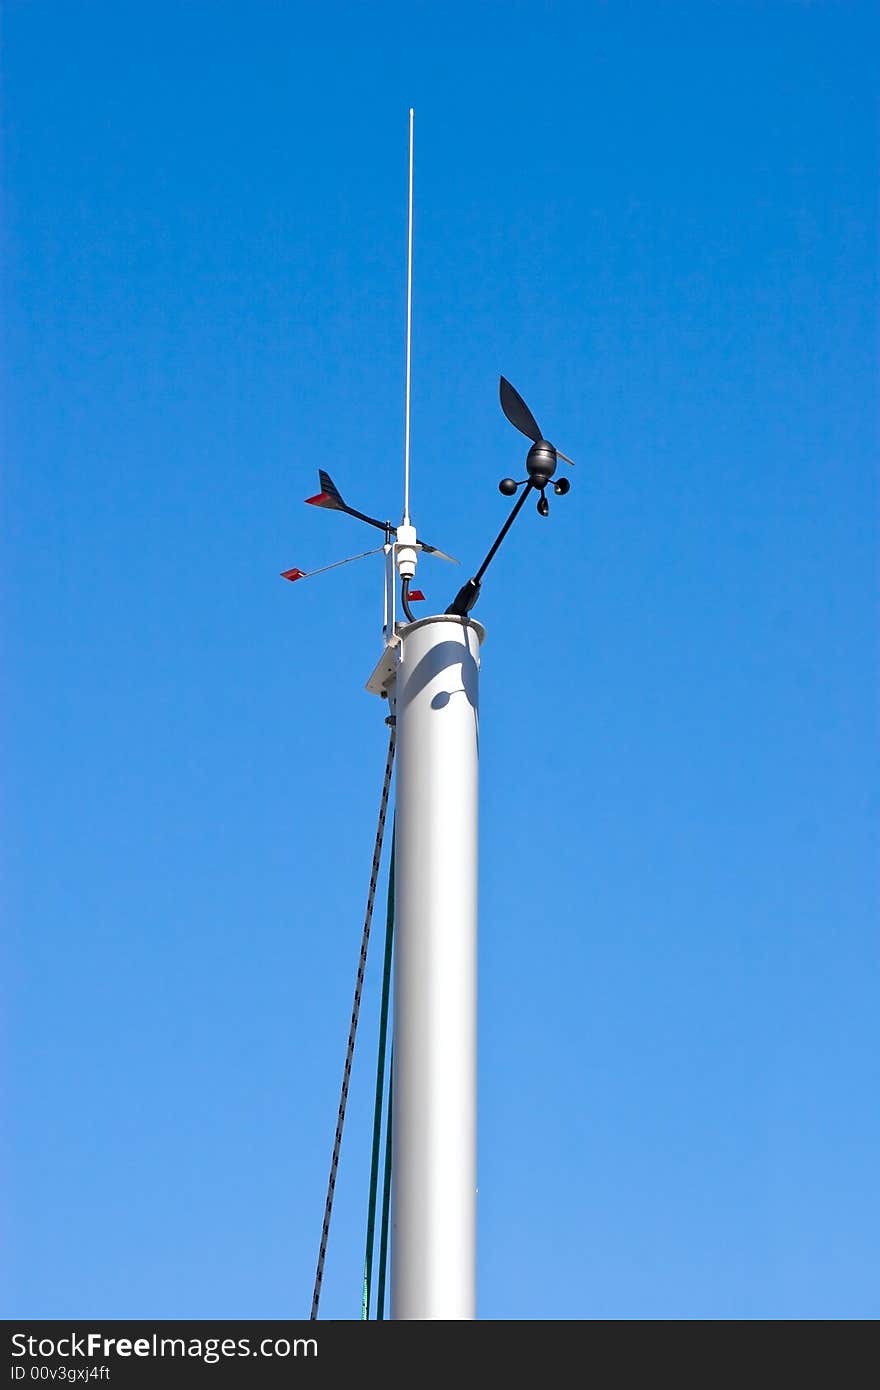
(409,261)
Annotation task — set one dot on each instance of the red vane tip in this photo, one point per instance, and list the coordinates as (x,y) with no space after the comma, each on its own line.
(416,596)
(293,574)
(321,499)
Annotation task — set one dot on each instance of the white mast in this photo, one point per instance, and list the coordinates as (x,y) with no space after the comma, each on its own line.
(434,1140)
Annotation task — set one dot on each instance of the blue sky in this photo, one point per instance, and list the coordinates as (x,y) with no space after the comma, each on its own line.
(660,223)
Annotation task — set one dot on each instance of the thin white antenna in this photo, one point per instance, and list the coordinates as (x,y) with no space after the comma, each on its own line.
(409,261)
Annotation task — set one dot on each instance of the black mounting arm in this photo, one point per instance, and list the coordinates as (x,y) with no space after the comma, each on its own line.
(469,593)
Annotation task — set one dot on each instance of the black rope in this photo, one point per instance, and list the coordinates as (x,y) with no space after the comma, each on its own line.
(352,1031)
(378,1104)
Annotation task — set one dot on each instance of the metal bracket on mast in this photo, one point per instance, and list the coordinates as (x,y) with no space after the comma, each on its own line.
(400,559)
(385,673)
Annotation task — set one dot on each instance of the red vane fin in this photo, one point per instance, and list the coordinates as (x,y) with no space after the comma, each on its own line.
(416,596)
(293,574)
(321,499)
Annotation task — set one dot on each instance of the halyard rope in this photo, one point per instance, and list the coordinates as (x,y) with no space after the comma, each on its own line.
(377,1116)
(352,1031)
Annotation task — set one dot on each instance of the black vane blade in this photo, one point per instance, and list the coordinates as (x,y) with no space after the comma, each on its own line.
(331,497)
(517,411)
(331,491)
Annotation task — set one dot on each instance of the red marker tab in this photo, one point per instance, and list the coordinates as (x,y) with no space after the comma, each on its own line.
(416,596)
(293,574)
(321,499)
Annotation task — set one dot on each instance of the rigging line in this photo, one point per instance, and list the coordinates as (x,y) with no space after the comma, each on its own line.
(380,1088)
(352,1030)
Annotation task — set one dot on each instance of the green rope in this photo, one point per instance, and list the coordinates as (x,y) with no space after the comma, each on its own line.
(377,1117)
(386,1201)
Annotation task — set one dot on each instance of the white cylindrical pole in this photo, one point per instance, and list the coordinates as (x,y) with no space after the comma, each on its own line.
(434,1141)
